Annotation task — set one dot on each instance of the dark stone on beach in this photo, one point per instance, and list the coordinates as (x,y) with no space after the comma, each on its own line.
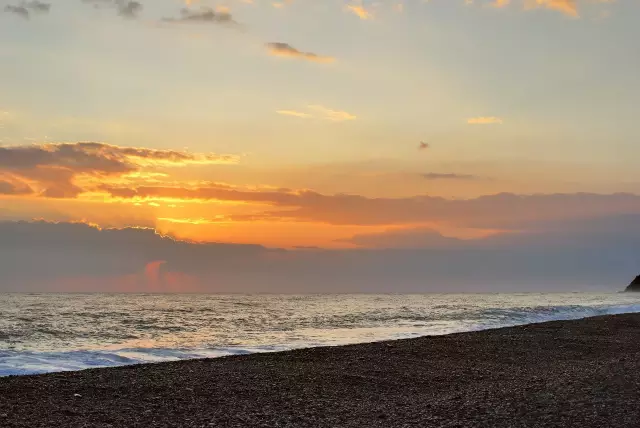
(581,373)
(635,285)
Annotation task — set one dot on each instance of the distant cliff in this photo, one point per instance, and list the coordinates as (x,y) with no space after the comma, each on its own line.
(635,285)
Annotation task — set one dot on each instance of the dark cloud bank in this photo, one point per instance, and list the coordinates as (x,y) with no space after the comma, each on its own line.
(595,254)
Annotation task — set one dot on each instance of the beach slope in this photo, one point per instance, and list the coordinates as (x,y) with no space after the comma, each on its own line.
(583,373)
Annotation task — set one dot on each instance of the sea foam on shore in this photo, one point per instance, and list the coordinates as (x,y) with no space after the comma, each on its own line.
(55,332)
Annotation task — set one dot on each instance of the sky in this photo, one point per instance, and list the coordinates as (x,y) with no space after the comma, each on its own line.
(411,145)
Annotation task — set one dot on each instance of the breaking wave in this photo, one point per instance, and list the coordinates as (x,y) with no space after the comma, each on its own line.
(42,333)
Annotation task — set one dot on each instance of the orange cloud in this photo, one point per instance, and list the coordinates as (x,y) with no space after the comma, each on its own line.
(193,221)
(287,51)
(341,209)
(53,170)
(568,7)
(360,11)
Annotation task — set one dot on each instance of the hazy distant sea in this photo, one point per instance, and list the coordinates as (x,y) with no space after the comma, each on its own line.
(55,332)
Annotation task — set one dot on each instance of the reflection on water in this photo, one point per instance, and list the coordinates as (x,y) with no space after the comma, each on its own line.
(51,332)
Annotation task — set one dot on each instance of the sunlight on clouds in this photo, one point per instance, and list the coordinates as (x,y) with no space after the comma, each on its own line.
(282,234)
(360,11)
(334,115)
(489,120)
(320,113)
(568,7)
(287,51)
(194,221)
(59,170)
(293,113)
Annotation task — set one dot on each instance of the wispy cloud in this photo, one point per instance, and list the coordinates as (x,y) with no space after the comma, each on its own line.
(204,15)
(25,8)
(448,176)
(320,112)
(360,11)
(568,7)
(293,113)
(334,115)
(288,51)
(193,221)
(129,9)
(484,120)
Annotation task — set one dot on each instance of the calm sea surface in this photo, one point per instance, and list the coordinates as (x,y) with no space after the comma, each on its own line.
(55,332)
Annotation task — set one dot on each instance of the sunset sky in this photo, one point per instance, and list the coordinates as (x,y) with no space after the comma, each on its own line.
(324,123)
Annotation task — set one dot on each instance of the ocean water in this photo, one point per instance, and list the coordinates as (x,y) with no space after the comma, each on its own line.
(56,332)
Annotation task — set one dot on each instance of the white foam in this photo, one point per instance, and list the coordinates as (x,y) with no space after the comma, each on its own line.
(450,315)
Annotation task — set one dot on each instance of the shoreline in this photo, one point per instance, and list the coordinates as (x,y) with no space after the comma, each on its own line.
(117,353)
(578,373)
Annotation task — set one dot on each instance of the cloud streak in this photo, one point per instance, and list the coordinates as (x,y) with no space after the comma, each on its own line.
(320,112)
(485,120)
(285,50)
(360,11)
(568,7)
(204,15)
(502,211)
(448,176)
(25,9)
(129,9)
(333,115)
(294,113)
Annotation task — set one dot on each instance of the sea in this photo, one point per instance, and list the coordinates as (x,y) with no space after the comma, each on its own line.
(57,332)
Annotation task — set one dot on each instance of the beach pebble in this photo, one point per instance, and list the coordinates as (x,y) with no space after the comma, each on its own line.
(484,379)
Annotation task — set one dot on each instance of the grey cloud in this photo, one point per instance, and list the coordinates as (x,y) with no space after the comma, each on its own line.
(504,210)
(204,15)
(38,6)
(125,8)
(129,9)
(8,188)
(494,211)
(39,256)
(17,10)
(25,9)
(621,231)
(55,166)
(421,238)
(286,50)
